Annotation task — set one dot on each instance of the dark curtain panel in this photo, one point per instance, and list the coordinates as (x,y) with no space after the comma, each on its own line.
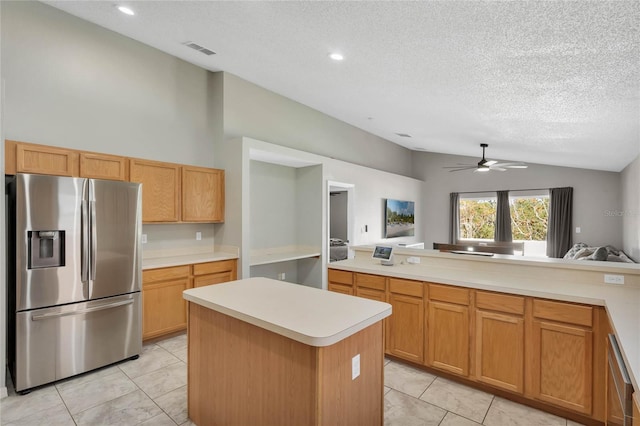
(503,218)
(454,221)
(559,226)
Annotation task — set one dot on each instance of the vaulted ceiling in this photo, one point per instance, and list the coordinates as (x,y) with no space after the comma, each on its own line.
(549,82)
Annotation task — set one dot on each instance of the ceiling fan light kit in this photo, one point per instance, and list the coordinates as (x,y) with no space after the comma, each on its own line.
(485,165)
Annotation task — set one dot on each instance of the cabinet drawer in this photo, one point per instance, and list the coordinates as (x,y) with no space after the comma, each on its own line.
(213,267)
(163,274)
(446,293)
(343,277)
(500,302)
(376,282)
(407,287)
(368,293)
(341,288)
(563,312)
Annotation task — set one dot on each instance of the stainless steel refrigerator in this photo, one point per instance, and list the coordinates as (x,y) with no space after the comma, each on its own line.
(74,294)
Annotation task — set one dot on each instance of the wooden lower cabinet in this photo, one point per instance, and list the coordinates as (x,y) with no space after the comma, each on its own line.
(405,326)
(370,287)
(448,329)
(636,408)
(499,350)
(164,309)
(215,272)
(498,340)
(340,282)
(562,365)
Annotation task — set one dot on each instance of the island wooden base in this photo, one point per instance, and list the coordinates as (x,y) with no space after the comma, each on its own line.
(241,374)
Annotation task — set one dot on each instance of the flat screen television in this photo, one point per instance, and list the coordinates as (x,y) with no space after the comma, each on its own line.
(399,218)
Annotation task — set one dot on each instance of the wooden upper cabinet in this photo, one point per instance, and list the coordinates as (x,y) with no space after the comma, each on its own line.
(103,166)
(40,159)
(202,194)
(160,189)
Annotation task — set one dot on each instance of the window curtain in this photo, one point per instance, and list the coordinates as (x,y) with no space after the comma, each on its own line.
(454,221)
(559,226)
(502,230)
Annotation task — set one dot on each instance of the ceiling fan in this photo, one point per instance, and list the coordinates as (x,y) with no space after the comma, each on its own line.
(485,165)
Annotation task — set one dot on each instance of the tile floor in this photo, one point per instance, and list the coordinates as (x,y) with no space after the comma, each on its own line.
(152,391)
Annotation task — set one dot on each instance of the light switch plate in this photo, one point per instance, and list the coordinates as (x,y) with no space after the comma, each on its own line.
(143,240)
(355,367)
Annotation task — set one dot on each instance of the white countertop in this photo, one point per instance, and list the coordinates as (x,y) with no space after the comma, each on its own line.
(622,302)
(305,314)
(185,259)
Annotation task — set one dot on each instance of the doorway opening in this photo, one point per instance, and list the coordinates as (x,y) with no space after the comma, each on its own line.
(340,220)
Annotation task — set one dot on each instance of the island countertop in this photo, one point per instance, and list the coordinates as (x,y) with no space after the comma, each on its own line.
(308,315)
(571,282)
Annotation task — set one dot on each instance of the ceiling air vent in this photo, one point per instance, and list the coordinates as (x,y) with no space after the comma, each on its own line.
(199,48)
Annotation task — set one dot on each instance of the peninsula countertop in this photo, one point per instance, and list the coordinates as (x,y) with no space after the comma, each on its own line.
(308,315)
(537,279)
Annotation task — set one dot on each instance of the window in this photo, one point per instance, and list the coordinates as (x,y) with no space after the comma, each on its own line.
(529,215)
(477,217)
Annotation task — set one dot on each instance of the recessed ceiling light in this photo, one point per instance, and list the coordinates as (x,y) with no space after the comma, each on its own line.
(126,10)
(336,56)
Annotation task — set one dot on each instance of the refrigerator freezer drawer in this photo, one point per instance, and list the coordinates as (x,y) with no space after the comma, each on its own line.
(59,342)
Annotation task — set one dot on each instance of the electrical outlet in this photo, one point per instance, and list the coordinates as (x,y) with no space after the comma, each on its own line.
(143,240)
(578,230)
(355,367)
(613,279)
(281,276)
(198,236)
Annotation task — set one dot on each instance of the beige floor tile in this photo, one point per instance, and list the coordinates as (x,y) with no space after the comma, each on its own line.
(174,404)
(174,344)
(56,416)
(159,420)
(16,407)
(152,358)
(452,419)
(88,377)
(188,423)
(507,413)
(462,400)
(163,381)
(129,409)
(405,379)
(404,410)
(386,389)
(572,423)
(181,354)
(89,394)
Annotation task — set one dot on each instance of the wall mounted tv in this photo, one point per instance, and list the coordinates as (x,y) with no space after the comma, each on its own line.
(399,219)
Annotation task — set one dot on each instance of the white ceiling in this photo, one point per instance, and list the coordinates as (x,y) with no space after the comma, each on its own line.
(549,82)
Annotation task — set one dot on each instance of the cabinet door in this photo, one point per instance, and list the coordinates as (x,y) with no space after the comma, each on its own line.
(372,294)
(448,341)
(202,194)
(405,327)
(102,166)
(341,288)
(164,309)
(227,268)
(562,365)
(46,160)
(160,189)
(499,350)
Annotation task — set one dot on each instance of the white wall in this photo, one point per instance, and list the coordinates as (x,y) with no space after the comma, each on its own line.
(594,193)
(630,211)
(252,111)
(3,238)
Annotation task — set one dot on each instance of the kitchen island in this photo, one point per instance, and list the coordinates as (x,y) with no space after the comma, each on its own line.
(265,352)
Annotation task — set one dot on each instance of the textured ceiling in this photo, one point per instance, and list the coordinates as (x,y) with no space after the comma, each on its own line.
(549,82)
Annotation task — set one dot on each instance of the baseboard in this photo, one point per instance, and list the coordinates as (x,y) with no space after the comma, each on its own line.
(3,392)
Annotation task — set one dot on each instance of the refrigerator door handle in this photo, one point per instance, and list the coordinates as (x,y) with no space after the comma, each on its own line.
(83,311)
(84,235)
(94,239)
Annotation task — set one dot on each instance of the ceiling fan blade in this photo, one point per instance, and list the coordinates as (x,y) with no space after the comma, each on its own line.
(462,168)
(515,165)
(490,163)
(498,169)
(459,166)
